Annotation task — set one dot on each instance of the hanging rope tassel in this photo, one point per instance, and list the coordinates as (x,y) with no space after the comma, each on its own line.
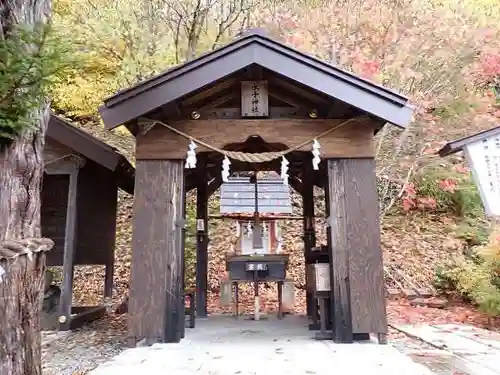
(315,151)
(191,156)
(225,169)
(284,170)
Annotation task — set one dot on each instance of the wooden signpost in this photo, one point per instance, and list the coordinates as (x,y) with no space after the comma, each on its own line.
(482,152)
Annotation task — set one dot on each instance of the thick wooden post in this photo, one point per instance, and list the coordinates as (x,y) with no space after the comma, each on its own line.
(182,285)
(155,285)
(69,253)
(356,270)
(308,228)
(201,242)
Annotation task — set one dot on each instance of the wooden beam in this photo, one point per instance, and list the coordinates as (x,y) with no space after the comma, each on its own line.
(339,251)
(354,139)
(207,92)
(86,314)
(262,217)
(155,279)
(213,186)
(217,102)
(201,242)
(288,86)
(70,241)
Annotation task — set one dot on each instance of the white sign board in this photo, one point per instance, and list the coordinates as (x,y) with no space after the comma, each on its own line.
(484,158)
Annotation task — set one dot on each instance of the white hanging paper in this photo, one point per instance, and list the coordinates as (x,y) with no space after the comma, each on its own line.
(237,229)
(315,151)
(265,230)
(2,273)
(284,170)
(249,229)
(225,169)
(191,156)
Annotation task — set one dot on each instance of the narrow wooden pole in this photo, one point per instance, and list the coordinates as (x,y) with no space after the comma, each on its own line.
(339,251)
(308,228)
(201,242)
(110,262)
(69,254)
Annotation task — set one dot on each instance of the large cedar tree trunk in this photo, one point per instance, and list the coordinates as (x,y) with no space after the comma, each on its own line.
(21,171)
(21,163)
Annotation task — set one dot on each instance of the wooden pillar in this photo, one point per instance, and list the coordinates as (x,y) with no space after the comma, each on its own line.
(201,242)
(69,253)
(356,270)
(108,278)
(110,262)
(155,282)
(182,285)
(308,225)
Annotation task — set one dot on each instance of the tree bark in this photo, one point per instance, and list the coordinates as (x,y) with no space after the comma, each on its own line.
(21,172)
(21,163)
(21,297)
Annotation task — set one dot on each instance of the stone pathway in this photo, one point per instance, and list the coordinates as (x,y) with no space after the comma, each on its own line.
(454,349)
(226,346)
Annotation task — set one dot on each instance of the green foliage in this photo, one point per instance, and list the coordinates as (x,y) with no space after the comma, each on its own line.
(474,231)
(30,59)
(190,242)
(476,278)
(453,192)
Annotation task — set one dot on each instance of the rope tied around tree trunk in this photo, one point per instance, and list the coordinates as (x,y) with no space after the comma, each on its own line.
(245,156)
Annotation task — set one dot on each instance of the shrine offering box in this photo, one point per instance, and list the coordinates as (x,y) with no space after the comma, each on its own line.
(270,267)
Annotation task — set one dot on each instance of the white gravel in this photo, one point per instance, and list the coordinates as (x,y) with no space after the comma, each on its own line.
(76,353)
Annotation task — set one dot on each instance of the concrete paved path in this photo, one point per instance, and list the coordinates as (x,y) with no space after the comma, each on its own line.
(455,349)
(226,346)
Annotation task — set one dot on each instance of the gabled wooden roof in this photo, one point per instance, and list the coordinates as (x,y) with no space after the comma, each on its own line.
(254,48)
(458,145)
(93,149)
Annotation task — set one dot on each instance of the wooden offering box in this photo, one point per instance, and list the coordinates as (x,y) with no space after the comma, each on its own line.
(270,267)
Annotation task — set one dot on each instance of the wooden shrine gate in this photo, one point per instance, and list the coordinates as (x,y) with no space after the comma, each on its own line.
(254,102)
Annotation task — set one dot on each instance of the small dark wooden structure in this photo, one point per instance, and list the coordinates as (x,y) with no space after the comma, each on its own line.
(79,203)
(255,95)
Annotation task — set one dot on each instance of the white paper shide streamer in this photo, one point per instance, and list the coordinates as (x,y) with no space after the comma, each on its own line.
(284,170)
(225,169)
(191,156)
(315,151)
(2,273)
(249,229)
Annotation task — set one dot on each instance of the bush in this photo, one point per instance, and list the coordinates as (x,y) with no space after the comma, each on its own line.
(476,279)
(445,190)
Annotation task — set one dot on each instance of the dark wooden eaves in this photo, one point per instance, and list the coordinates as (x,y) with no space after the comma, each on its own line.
(265,52)
(458,145)
(93,149)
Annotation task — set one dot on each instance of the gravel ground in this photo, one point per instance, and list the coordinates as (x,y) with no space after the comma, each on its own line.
(79,351)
